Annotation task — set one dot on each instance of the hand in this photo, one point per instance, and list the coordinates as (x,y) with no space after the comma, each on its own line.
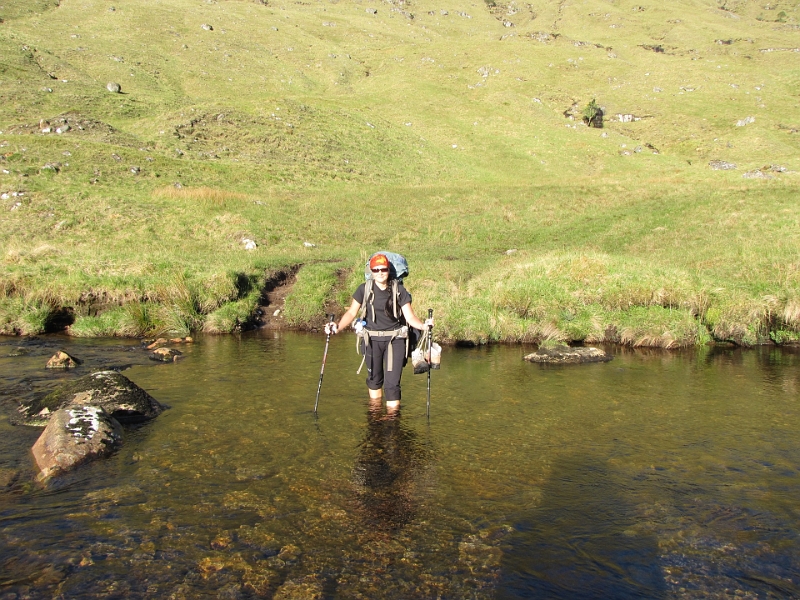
(331,328)
(429,323)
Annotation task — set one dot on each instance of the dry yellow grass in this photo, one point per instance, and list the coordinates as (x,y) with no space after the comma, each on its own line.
(205,195)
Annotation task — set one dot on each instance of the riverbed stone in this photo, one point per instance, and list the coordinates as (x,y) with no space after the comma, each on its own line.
(62,360)
(74,436)
(157,343)
(562,355)
(165,355)
(112,391)
(304,588)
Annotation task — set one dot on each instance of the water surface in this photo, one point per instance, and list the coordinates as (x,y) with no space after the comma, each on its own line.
(658,475)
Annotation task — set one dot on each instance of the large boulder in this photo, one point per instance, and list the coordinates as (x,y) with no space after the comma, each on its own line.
(74,436)
(113,392)
(563,355)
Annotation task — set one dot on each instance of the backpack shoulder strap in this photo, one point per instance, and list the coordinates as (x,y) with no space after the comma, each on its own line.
(394,297)
(368,297)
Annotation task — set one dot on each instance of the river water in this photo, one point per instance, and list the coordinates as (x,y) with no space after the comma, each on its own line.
(657,475)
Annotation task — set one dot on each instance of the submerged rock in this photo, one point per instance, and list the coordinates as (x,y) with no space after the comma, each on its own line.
(304,588)
(62,360)
(109,390)
(560,355)
(74,436)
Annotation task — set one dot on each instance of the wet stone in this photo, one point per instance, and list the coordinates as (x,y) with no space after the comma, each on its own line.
(559,355)
(75,436)
(62,360)
(157,343)
(165,355)
(115,393)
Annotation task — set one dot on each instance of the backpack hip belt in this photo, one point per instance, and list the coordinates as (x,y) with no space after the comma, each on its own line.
(392,334)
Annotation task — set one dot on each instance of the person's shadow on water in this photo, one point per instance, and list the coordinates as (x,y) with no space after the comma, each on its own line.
(386,471)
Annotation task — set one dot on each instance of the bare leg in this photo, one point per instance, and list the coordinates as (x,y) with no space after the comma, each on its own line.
(375,394)
(392,406)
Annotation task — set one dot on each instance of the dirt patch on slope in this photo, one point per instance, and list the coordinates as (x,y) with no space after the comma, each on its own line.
(269,312)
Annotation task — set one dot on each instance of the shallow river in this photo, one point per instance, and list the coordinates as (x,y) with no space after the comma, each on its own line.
(657,475)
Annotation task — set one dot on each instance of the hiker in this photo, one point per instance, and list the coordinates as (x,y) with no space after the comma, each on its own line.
(384,343)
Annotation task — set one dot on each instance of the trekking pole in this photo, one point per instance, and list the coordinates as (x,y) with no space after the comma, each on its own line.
(322,370)
(430,341)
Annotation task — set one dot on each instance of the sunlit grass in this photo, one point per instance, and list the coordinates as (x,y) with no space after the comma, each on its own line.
(445,137)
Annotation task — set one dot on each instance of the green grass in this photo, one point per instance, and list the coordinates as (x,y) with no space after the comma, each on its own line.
(449,138)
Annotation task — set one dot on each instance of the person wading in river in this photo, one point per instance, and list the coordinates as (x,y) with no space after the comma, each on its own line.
(386,310)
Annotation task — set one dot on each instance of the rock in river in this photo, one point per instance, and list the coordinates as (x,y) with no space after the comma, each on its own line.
(165,355)
(113,392)
(561,355)
(74,436)
(62,360)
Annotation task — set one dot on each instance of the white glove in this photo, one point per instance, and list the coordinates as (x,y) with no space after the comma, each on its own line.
(428,323)
(358,326)
(331,328)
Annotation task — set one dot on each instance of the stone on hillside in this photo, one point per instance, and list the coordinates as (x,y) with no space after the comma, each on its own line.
(722,165)
(758,174)
(113,87)
(115,393)
(165,355)
(562,355)
(207,27)
(745,121)
(74,436)
(62,360)
(372,11)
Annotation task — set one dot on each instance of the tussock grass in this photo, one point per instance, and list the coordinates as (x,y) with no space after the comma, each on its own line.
(24,316)
(313,288)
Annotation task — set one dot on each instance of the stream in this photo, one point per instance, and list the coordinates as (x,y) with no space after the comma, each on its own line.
(661,474)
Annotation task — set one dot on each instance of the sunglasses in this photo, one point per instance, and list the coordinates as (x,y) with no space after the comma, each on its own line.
(380,270)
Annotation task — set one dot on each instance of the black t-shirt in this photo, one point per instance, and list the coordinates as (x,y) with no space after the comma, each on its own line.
(383,322)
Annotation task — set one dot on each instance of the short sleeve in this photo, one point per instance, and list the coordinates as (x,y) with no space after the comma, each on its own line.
(403,296)
(358,295)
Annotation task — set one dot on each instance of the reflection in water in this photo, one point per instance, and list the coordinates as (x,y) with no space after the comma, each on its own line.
(387,471)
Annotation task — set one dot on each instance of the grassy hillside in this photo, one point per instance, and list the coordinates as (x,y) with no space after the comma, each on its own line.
(451,132)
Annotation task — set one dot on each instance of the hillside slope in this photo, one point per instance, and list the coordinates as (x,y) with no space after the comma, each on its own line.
(322,129)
